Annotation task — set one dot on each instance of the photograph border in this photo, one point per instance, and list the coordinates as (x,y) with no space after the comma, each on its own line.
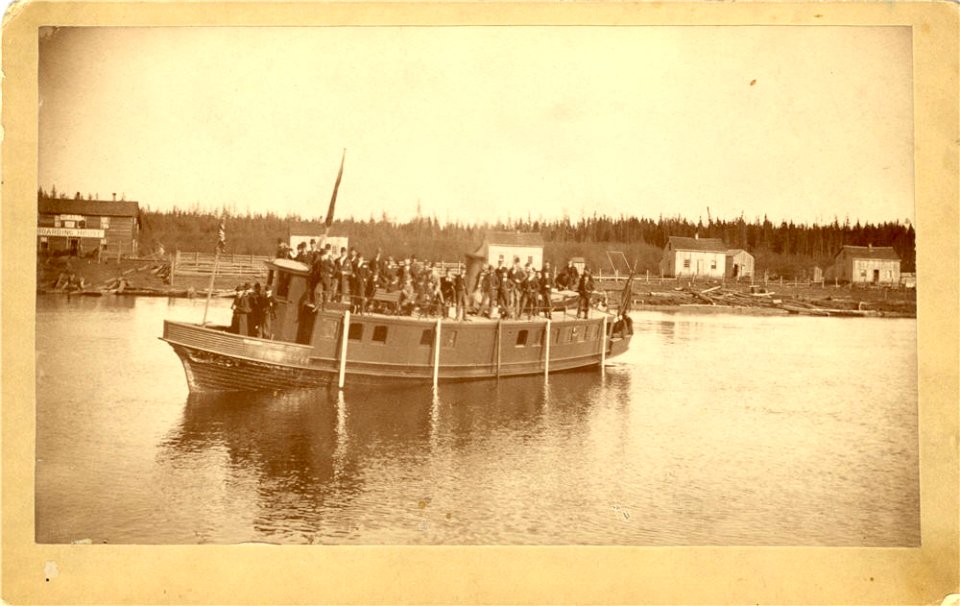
(254,574)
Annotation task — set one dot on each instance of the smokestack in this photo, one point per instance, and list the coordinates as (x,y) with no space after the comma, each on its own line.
(114,196)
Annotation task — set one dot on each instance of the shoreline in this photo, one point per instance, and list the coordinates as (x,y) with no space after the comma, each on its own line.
(681,308)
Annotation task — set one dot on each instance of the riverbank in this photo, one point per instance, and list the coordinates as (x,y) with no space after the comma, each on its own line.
(150,277)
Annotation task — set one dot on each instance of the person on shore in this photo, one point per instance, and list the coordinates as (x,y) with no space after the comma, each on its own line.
(585,289)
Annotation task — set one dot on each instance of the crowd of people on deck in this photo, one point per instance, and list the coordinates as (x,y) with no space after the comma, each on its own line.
(424,288)
(254,310)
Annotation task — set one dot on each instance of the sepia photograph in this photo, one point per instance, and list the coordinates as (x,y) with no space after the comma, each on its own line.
(444,303)
(477,285)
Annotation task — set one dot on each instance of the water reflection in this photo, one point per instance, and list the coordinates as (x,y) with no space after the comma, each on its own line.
(305,456)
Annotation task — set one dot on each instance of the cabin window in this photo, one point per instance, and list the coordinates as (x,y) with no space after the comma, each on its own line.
(522,338)
(426,338)
(328,329)
(686,263)
(379,334)
(450,338)
(356,332)
(283,284)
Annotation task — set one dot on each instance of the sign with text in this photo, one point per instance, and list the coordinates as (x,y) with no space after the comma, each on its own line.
(70,232)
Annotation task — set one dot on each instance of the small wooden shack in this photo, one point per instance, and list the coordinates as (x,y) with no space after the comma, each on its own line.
(694,257)
(739,264)
(866,265)
(502,247)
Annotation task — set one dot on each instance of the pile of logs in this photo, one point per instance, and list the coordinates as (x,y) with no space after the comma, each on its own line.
(760,298)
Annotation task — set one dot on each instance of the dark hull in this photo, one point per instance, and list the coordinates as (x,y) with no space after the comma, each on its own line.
(216,360)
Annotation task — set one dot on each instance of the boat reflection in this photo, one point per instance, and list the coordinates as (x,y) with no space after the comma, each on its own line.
(305,456)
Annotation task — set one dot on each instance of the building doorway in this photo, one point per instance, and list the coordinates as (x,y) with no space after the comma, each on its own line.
(876,276)
(73,245)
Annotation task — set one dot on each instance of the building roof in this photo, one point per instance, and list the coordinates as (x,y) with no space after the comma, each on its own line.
(510,238)
(870,252)
(736,251)
(698,244)
(103,208)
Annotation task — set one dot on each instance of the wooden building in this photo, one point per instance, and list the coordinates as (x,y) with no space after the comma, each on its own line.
(505,246)
(866,265)
(739,264)
(694,257)
(79,227)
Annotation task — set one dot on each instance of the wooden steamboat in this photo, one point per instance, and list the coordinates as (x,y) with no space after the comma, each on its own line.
(312,348)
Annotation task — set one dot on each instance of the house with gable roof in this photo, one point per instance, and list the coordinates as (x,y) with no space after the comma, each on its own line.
(694,257)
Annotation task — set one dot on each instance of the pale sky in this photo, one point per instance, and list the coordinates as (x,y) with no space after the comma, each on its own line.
(486,123)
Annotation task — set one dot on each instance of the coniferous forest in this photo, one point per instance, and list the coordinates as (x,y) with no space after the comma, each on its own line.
(786,249)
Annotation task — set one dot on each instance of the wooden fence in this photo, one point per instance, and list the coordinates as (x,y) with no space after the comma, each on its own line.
(201,264)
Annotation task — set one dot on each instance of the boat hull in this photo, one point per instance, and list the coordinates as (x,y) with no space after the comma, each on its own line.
(215,360)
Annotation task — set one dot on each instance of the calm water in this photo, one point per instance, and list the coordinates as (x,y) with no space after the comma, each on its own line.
(712,430)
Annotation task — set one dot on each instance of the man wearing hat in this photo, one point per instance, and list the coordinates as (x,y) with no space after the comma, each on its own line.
(585,288)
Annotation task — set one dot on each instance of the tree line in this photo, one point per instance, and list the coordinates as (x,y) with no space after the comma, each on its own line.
(786,249)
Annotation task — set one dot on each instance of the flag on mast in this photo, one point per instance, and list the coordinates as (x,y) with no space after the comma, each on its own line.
(333,199)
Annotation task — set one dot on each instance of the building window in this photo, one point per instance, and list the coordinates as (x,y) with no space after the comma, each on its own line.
(356,332)
(69,224)
(426,338)
(863,274)
(379,334)
(686,263)
(104,222)
(522,338)
(713,264)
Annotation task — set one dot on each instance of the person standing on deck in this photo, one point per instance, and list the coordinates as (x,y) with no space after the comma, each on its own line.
(447,291)
(585,288)
(361,280)
(533,295)
(485,292)
(301,252)
(407,299)
(269,314)
(256,311)
(327,273)
(460,295)
(517,278)
(573,277)
(243,310)
(281,249)
(235,306)
(344,274)
(546,288)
